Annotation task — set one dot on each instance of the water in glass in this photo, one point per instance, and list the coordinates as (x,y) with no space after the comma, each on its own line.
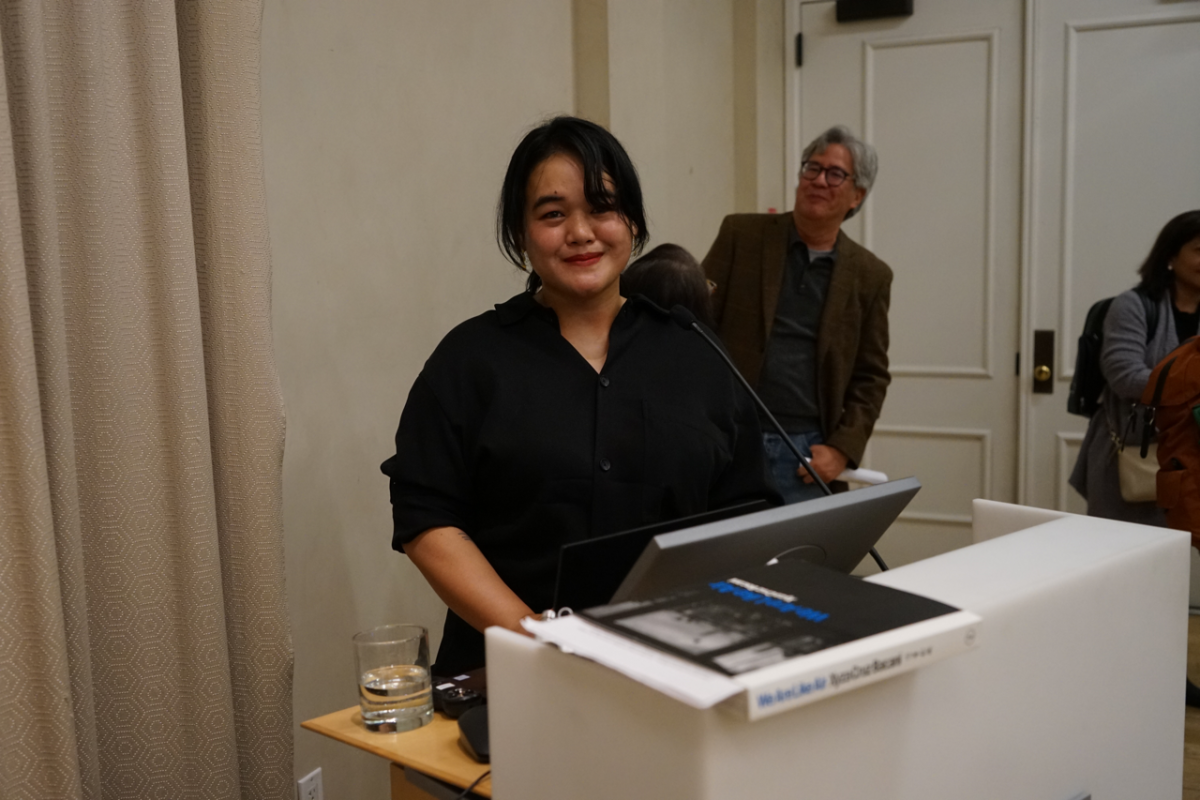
(395,698)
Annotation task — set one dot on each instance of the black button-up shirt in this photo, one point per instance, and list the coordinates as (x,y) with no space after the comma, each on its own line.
(510,435)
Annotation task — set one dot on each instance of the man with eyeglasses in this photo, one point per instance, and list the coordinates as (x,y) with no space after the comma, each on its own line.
(802,309)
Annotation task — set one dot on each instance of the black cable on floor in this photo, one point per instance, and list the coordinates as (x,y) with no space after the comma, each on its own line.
(475,783)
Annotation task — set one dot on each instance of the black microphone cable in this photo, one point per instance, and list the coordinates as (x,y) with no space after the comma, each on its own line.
(467,791)
(684,318)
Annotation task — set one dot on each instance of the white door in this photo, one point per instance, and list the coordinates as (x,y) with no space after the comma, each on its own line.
(1114,152)
(939,96)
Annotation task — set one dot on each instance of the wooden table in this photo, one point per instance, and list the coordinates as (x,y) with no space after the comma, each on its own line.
(432,750)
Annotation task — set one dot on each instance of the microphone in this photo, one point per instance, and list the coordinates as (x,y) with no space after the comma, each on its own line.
(687,320)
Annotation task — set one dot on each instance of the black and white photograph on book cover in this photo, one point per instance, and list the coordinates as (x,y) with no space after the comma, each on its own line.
(766,615)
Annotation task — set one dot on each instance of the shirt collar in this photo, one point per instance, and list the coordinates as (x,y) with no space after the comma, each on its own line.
(794,237)
(794,240)
(518,308)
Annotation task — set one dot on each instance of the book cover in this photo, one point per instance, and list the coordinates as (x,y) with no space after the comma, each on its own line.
(793,632)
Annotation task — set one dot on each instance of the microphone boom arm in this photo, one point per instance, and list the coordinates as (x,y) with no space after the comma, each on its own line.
(695,325)
(686,319)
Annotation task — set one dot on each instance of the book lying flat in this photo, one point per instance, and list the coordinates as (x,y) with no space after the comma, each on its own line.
(770,638)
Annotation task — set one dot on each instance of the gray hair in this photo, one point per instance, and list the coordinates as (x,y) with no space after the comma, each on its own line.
(866,163)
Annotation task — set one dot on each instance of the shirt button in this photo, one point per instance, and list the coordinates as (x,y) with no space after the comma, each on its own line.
(604,381)
(605,464)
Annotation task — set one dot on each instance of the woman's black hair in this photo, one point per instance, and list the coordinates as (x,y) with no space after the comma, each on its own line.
(600,154)
(669,276)
(1157,277)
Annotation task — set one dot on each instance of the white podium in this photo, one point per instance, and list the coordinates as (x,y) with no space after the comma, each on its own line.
(1076,689)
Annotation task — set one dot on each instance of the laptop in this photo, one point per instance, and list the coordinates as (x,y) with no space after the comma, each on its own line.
(836,531)
(591,571)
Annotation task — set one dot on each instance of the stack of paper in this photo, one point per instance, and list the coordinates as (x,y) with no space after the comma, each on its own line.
(765,641)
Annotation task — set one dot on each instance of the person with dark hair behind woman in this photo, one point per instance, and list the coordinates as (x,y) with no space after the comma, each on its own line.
(565,413)
(1170,278)
(669,276)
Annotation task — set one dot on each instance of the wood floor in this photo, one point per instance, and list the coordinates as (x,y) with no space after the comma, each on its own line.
(1191,732)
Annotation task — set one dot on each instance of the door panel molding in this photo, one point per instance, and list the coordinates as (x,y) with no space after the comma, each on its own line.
(1073,32)
(1136,21)
(981,368)
(918,371)
(980,436)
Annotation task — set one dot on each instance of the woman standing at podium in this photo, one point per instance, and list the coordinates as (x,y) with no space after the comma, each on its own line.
(565,413)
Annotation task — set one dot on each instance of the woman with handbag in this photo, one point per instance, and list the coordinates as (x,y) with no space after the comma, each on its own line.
(1110,473)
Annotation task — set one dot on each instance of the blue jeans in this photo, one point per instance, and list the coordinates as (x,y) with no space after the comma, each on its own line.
(782,464)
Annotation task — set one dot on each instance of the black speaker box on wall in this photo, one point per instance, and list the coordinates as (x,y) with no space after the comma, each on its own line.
(854,10)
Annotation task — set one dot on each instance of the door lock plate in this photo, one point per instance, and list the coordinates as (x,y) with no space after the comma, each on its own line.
(1043,362)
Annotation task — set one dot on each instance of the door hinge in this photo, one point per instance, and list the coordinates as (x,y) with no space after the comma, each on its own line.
(1018,370)
(799,49)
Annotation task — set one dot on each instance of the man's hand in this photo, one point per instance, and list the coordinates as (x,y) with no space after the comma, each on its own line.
(827,461)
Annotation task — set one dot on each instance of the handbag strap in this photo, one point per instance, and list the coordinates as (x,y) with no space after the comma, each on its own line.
(1148,414)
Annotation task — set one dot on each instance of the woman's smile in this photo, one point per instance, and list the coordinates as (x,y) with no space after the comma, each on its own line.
(577,250)
(584,259)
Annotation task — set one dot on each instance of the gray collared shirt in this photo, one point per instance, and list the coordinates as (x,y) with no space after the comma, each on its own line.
(788,383)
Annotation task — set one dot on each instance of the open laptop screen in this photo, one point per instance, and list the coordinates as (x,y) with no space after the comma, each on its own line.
(836,531)
(590,571)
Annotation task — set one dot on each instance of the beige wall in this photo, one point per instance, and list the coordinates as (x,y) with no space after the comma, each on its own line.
(387,129)
(770,62)
(696,96)
(758,105)
(671,79)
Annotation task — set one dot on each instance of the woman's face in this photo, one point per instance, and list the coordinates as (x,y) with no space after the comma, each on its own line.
(577,251)
(1185,266)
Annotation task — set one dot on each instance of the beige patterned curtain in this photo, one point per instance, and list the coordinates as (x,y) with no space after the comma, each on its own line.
(144,644)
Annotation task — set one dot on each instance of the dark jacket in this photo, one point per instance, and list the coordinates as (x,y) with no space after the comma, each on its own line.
(746,262)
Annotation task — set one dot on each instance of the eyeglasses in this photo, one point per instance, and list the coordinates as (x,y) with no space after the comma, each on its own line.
(834,176)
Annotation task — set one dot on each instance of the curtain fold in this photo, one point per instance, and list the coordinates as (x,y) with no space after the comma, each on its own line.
(220,61)
(144,645)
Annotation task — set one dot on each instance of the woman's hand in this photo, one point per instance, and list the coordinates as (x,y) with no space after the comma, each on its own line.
(465,580)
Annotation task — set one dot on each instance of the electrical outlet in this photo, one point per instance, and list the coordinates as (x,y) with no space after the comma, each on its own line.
(309,787)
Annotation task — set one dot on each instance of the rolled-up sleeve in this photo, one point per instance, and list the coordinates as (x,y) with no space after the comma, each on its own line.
(430,485)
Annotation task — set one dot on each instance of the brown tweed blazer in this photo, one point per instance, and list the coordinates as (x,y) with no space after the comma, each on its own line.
(746,262)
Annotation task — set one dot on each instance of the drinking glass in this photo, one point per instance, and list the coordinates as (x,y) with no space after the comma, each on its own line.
(393,677)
